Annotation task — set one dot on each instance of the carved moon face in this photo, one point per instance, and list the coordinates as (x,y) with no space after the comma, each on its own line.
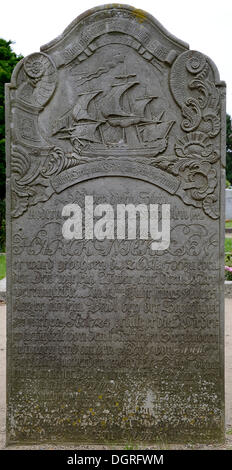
(195,62)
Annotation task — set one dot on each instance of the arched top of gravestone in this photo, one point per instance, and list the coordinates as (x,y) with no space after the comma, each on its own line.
(97,26)
(78,38)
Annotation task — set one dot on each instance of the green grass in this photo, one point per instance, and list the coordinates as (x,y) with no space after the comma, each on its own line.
(228,245)
(228,258)
(131,446)
(229,224)
(2,266)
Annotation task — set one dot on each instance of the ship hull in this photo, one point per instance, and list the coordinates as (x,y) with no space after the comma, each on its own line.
(151,151)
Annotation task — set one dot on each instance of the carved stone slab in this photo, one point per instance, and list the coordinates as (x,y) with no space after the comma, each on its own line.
(109,341)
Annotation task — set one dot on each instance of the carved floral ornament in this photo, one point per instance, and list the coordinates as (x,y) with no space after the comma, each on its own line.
(194,163)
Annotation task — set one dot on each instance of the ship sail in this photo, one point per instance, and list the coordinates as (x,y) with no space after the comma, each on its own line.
(61,123)
(86,131)
(80,110)
(140,104)
(111,105)
(154,131)
(139,133)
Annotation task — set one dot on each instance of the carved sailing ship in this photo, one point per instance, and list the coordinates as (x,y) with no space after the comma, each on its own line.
(141,134)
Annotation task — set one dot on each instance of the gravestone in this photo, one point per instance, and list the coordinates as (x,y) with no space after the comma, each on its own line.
(110,340)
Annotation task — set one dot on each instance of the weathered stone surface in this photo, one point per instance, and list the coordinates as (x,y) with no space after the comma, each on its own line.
(109,341)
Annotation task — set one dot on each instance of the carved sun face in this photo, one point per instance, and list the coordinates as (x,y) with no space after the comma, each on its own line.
(34,67)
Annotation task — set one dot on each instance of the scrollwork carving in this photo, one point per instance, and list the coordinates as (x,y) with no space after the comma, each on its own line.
(199,101)
(20,192)
(215,123)
(192,114)
(54,163)
(29,186)
(198,178)
(203,106)
(198,84)
(211,206)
